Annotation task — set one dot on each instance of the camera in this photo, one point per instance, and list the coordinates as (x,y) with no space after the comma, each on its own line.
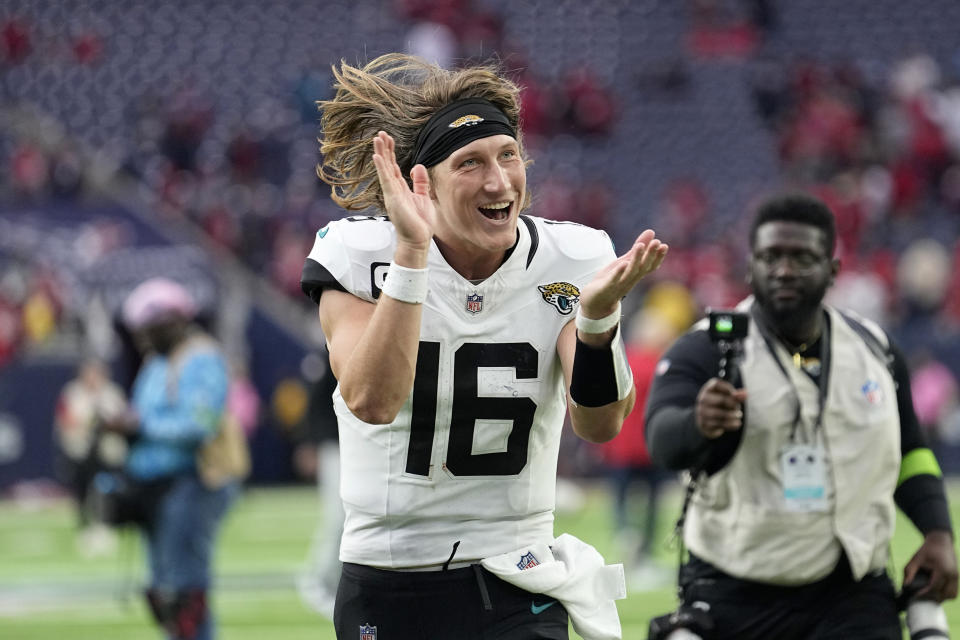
(727,326)
(925,618)
(727,329)
(116,499)
(688,622)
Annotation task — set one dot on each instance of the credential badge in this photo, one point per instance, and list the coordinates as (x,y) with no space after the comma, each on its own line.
(474,303)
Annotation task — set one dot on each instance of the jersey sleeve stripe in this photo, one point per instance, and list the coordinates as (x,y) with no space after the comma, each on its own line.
(315,278)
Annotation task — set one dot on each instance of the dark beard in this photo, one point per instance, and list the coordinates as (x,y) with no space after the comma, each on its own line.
(794,319)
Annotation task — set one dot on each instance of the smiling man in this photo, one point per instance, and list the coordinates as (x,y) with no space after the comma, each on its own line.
(457,328)
(789,535)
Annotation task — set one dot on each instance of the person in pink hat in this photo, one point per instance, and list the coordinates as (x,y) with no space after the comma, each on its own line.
(178,407)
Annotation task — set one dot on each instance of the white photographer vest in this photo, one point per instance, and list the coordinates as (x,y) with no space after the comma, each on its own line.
(738,521)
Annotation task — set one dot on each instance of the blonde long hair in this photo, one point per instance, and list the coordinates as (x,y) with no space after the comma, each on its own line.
(396,93)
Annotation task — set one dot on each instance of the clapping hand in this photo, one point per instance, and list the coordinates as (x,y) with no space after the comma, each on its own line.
(411,210)
(600,297)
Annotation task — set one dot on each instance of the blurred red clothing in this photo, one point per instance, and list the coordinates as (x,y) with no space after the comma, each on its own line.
(629,449)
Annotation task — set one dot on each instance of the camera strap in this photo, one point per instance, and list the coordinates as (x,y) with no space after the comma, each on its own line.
(713,457)
(823,380)
(696,476)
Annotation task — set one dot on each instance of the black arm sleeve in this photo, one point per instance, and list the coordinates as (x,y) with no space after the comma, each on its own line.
(672,436)
(921,497)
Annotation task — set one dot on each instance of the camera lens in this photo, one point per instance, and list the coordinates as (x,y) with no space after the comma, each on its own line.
(926,619)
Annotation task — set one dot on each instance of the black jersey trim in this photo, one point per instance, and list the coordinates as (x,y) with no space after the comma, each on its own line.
(315,278)
(534,238)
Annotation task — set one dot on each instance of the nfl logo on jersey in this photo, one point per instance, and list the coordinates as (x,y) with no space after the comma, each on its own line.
(474,303)
(368,633)
(527,561)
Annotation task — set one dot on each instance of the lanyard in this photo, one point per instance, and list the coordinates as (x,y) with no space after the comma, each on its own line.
(822,380)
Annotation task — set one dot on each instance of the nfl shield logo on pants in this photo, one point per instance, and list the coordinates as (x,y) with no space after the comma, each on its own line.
(368,633)
(474,303)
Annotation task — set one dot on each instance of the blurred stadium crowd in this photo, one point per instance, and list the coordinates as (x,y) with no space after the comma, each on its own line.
(674,115)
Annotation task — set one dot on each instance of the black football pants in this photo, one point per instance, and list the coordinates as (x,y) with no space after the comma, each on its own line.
(469,603)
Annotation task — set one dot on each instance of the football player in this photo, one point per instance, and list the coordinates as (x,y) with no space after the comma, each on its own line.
(461,331)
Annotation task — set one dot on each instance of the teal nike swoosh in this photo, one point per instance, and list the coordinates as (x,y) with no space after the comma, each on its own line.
(323,231)
(538,609)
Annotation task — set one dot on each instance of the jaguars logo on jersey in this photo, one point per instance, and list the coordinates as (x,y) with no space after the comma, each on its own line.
(562,295)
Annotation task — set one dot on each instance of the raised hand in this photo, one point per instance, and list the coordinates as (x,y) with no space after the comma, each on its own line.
(600,297)
(411,211)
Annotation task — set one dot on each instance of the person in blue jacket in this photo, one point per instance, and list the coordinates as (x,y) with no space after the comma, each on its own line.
(178,404)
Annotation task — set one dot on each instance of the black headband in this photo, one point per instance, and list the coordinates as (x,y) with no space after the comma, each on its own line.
(458,124)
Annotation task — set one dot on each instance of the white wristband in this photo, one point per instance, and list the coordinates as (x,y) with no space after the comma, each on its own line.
(405,284)
(599,325)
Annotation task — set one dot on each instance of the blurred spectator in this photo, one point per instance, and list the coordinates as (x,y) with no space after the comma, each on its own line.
(29,171)
(536,114)
(480,35)
(434,42)
(771,95)
(319,455)
(591,107)
(312,86)
(719,30)
(627,460)
(83,448)
(15,41)
(923,275)
(934,390)
(189,115)
(289,247)
(66,173)
(243,400)
(10,328)
(243,152)
(863,292)
(683,210)
(87,47)
(823,133)
(32,301)
(594,204)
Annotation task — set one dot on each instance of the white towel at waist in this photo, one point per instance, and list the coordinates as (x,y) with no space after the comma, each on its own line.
(574,573)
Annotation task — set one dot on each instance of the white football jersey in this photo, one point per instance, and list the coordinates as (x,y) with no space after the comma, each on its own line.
(472,456)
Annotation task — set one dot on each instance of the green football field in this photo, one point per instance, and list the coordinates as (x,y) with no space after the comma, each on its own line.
(49,590)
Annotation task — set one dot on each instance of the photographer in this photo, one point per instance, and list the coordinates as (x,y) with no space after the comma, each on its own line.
(179,399)
(84,448)
(789,529)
